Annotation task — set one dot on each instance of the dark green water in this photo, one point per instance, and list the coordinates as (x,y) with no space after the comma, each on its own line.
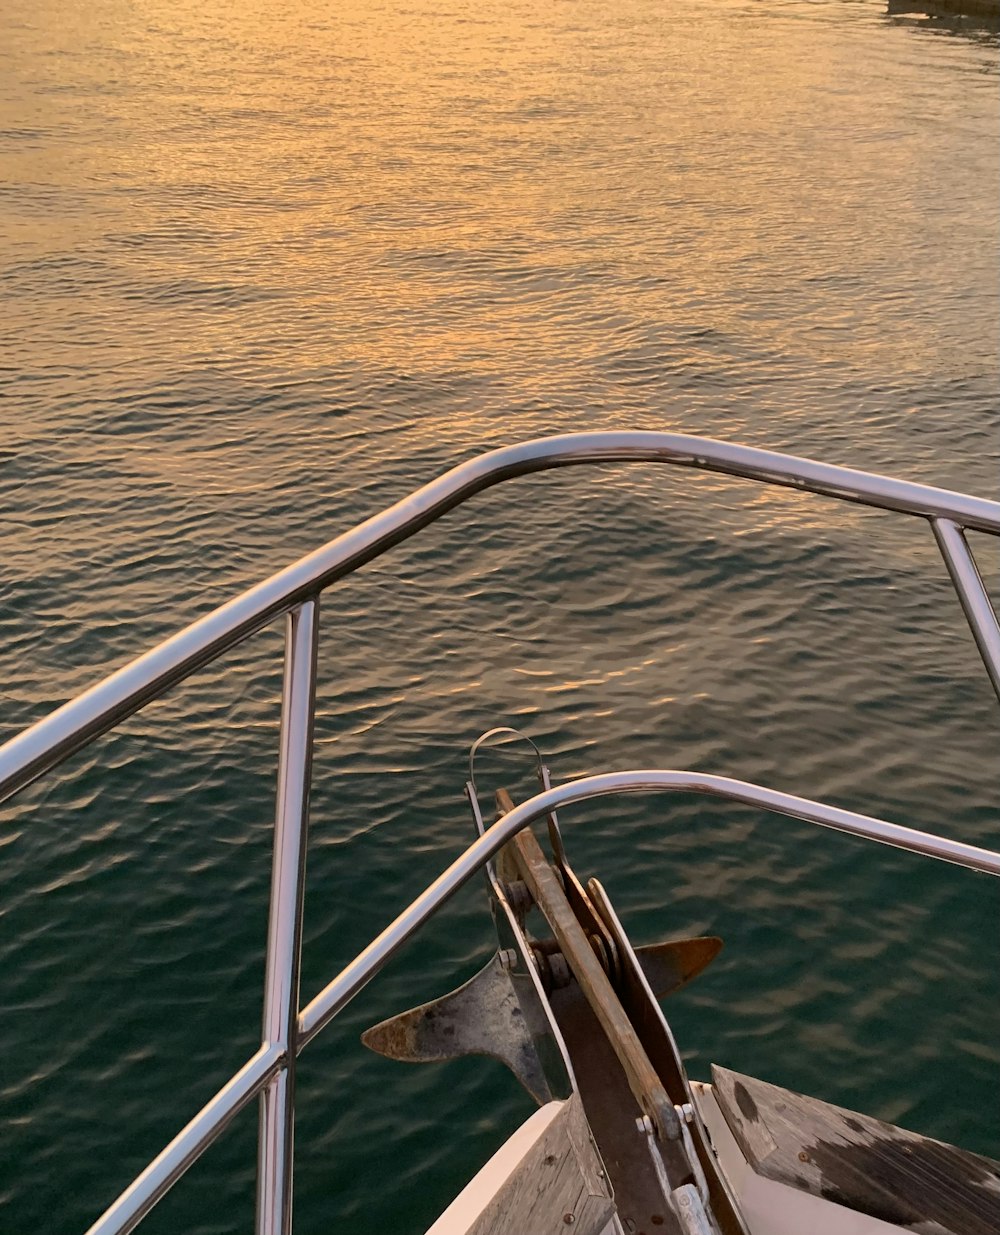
(266,270)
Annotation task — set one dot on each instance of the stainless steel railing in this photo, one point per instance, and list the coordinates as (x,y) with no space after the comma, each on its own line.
(295,592)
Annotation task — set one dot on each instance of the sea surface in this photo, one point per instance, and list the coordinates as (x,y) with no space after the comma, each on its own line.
(267,268)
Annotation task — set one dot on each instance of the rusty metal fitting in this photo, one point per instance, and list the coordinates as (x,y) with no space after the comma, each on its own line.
(561,973)
(551,964)
(518,896)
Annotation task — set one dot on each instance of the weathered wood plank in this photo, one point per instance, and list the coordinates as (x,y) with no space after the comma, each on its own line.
(859,1162)
(557,1186)
(579,955)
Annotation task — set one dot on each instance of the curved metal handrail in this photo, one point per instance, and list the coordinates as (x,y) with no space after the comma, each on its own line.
(295,592)
(252,1079)
(334,997)
(71,726)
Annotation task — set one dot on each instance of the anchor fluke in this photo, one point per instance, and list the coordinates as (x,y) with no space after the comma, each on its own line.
(483,1017)
(669,966)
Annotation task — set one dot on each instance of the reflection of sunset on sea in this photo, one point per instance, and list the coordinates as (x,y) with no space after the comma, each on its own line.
(445,200)
(266,268)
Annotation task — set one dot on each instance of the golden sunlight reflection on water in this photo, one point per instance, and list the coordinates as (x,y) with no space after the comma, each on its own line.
(266,269)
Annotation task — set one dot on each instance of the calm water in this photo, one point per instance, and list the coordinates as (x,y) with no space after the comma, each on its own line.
(268,268)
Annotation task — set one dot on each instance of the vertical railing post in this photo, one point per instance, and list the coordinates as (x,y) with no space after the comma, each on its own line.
(972,593)
(284,933)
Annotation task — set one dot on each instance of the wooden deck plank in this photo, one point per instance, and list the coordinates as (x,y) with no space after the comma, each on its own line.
(556,1187)
(859,1162)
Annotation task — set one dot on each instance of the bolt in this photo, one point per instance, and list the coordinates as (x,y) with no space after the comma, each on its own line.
(644,1125)
(569,1219)
(686,1112)
(560,971)
(803,1156)
(508,958)
(519,897)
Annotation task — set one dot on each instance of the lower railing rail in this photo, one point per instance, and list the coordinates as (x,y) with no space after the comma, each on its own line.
(295,592)
(266,1065)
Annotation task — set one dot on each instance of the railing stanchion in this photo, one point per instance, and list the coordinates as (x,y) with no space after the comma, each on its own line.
(284,934)
(972,593)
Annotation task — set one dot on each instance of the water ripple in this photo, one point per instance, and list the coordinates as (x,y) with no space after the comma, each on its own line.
(265,271)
